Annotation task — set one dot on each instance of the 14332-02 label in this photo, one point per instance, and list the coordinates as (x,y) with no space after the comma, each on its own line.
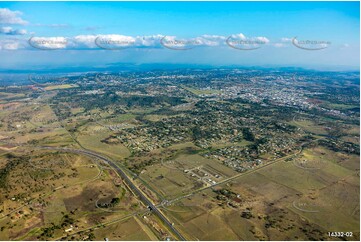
(340,234)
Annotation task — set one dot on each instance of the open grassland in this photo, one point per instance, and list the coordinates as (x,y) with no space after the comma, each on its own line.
(338,106)
(169,183)
(33,124)
(64,86)
(5,97)
(131,229)
(91,137)
(299,199)
(310,126)
(352,134)
(44,194)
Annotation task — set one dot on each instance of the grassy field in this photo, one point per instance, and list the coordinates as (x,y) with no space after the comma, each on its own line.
(338,106)
(129,230)
(310,126)
(293,200)
(352,134)
(91,138)
(170,179)
(64,86)
(58,189)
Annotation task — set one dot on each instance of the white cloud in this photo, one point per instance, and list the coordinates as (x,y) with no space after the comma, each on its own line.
(285,39)
(12,44)
(148,41)
(262,39)
(5,30)
(212,40)
(11,17)
(21,31)
(10,31)
(239,36)
(83,41)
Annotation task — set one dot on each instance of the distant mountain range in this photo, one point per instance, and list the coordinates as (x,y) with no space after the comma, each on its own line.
(116,67)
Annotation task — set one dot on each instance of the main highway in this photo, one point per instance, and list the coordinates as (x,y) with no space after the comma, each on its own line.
(128,181)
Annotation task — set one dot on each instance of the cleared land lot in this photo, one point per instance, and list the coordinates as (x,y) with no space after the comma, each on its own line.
(91,137)
(171,179)
(64,86)
(131,229)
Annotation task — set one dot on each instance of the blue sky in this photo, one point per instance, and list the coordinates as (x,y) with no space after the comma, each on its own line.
(71,28)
